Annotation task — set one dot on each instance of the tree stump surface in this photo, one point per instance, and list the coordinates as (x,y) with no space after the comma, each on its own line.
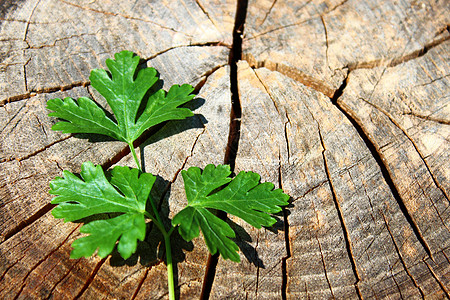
(342,104)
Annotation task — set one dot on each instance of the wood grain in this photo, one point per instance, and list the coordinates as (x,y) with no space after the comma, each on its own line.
(344,105)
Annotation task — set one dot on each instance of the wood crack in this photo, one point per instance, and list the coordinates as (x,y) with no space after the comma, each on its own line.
(320,184)
(268,93)
(48,90)
(25,223)
(90,278)
(381,161)
(43,260)
(9,268)
(370,203)
(280,28)
(293,73)
(396,283)
(41,125)
(167,188)
(205,77)
(286,136)
(268,12)
(28,156)
(25,80)
(26,21)
(396,124)
(141,283)
(234,130)
(424,192)
(326,40)
(50,293)
(56,41)
(29,21)
(400,256)
(11,119)
(322,86)
(27,26)
(13,182)
(336,202)
(438,280)
(24,253)
(389,63)
(204,44)
(13,127)
(336,7)
(287,240)
(258,267)
(354,164)
(432,81)
(125,151)
(318,15)
(288,121)
(446,257)
(428,117)
(189,156)
(114,14)
(324,266)
(348,243)
(207,14)
(321,253)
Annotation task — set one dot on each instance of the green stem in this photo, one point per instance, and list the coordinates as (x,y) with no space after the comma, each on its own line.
(157,221)
(169,233)
(170,279)
(169,265)
(155,211)
(135,156)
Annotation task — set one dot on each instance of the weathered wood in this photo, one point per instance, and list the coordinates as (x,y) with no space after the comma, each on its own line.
(316,42)
(346,37)
(339,222)
(344,106)
(32,154)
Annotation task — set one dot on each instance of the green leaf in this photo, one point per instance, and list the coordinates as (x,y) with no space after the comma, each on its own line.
(126,90)
(127,228)
(215,231)
(126,192)
(244,197)
(85,117)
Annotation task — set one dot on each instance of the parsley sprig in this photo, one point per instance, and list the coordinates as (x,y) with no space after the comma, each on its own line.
(124,89)
(137,106)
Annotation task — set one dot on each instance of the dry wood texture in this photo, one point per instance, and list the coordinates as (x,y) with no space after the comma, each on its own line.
(343,104)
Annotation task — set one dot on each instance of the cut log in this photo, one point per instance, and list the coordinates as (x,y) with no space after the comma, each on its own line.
(342,104)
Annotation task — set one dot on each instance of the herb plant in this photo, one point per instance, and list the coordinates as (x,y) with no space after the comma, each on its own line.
(137,105)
